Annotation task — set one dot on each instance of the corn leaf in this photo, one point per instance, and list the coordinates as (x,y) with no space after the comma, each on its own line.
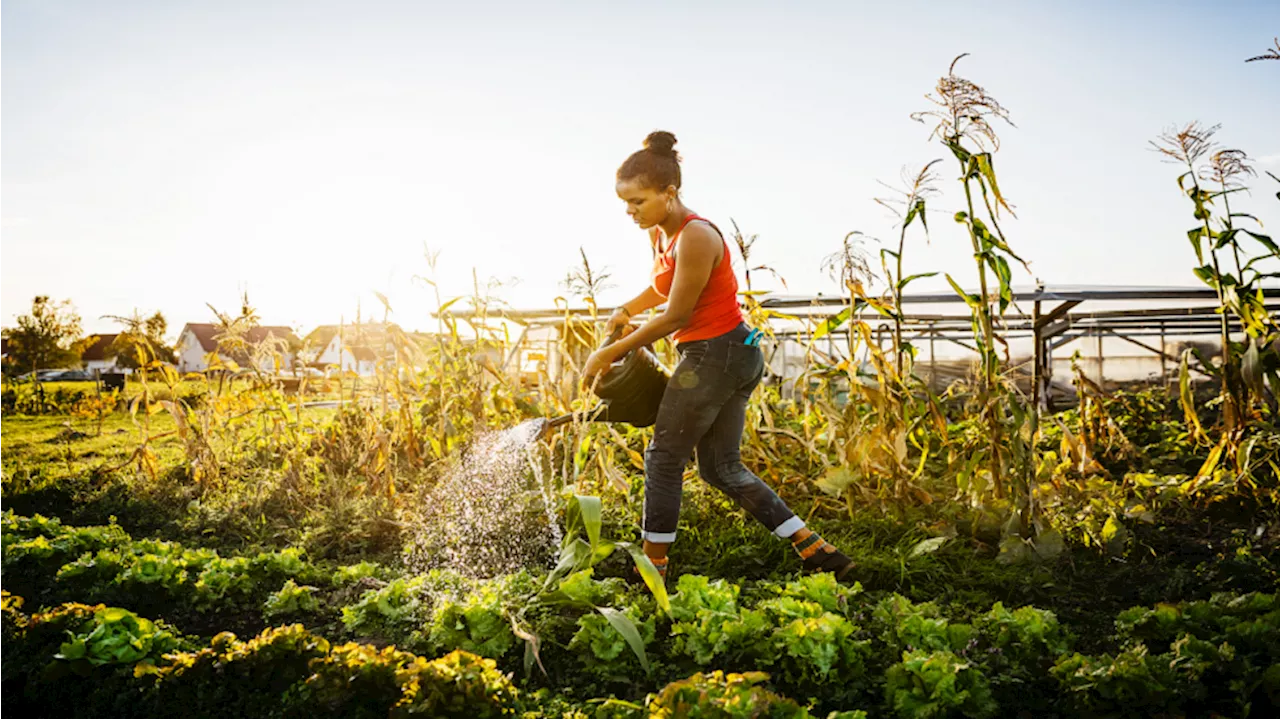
(592,510)
(652,579)
(627,628)
(832,323)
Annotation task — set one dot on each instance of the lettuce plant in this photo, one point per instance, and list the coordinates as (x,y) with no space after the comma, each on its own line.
(118,636)
(929,685)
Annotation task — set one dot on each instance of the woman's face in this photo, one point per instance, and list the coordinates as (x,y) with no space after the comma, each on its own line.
(646,206)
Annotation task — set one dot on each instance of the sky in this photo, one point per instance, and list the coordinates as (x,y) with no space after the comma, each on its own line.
(173,155)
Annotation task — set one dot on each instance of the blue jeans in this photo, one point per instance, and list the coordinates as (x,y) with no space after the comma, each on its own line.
(705,408)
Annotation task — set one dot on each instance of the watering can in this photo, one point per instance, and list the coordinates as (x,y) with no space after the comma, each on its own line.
(630,391)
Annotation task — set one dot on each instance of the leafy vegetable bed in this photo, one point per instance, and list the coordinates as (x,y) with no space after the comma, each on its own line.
(829,647)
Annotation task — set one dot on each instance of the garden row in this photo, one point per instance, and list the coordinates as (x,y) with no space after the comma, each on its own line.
(831,647)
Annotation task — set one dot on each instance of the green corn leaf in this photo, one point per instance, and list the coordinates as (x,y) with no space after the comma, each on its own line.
(911,278)
(958,150)
(1225,238)
(580,457)
(1206,365)
(988,172)
(652,579)
(916,210)
(1000,267)
(592,510)
(1207,275)
(627,629)
(832,323)
(973,301)
(1195,235)
(1266,242)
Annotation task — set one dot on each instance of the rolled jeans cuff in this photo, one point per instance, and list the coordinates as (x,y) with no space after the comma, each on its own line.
(789,527)
(658,537)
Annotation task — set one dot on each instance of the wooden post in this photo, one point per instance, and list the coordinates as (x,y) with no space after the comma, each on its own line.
(1037,358)
(933,360)
(1102,381)
(782,374)
(1164,360)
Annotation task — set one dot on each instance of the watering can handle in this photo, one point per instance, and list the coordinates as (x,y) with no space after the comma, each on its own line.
(617,335)
(613,337)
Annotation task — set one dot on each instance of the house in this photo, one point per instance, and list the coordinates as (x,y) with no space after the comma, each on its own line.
(198,342)
(96,357)
(354,348)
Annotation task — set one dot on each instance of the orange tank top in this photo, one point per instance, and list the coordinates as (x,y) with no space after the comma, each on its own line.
(717,310)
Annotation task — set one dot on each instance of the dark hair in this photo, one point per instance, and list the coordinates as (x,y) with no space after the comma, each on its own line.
(658,163)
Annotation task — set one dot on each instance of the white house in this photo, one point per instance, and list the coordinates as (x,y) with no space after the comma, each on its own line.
(95,356)
(197,343)
(353,348)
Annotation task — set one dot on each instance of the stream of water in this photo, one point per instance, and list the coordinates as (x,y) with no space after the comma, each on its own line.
(493,512)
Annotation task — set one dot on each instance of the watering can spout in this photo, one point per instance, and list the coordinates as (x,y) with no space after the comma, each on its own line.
(590,415)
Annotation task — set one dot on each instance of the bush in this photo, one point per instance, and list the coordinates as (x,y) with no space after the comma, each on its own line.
(937,684)
(234,677)
(458,685)
(352,680)
(722,696)
(401,609)
(708,622)
(117,636)
(290,600)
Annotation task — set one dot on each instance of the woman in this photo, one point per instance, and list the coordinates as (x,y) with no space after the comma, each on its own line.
(704,407)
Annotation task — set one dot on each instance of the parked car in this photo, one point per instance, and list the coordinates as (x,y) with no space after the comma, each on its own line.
(70,375)
(44,375)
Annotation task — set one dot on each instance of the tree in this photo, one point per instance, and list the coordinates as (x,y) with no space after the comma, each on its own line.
(142,339)
(48,337)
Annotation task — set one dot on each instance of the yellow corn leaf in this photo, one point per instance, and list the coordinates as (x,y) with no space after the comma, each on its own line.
(1187,399)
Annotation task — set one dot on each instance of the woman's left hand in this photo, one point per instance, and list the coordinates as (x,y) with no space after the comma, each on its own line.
(597,364)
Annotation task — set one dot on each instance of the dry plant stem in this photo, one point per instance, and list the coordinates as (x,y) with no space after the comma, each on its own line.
(897,303)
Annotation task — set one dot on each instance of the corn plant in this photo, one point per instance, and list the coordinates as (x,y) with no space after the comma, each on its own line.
(918,189)
(888,410)
(1248,371)
(964,115)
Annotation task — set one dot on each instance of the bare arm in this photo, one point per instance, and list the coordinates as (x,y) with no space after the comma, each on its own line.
(696,255)
(646,300)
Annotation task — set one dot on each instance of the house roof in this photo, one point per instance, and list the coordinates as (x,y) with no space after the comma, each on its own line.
(97,348)
(364,333)
(366,341)
(206,332)
(319,337)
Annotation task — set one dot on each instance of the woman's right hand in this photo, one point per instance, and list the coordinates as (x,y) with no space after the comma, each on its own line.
(620,319)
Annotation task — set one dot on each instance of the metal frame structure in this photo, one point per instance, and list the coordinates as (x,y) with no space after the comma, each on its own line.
(1054,320)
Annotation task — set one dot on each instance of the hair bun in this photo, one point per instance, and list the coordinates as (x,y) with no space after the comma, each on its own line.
(662,143)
